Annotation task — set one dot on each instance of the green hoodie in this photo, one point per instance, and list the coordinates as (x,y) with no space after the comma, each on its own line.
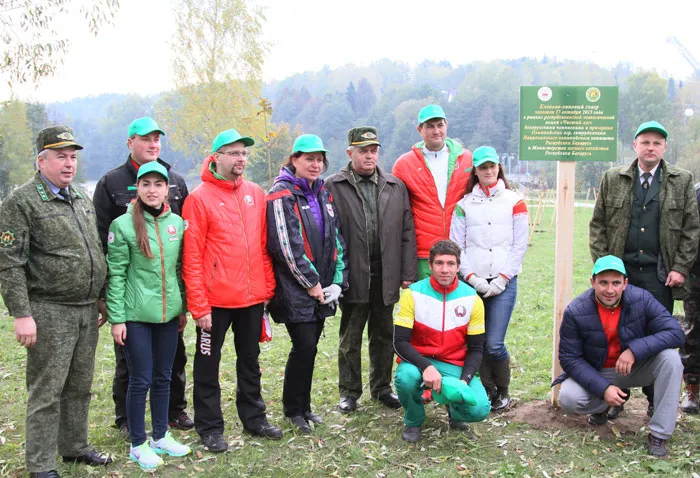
(140,289)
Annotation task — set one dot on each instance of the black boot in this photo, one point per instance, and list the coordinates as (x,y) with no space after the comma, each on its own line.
(487,379)
(501,372)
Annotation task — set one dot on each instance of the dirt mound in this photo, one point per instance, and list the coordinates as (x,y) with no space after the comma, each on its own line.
(542,414)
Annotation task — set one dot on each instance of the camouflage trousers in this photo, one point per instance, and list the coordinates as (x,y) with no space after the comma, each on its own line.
(380,331)
(59,377)
(690,351)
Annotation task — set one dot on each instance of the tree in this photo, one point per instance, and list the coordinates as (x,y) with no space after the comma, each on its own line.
(365,98)
(33,48)
(217,70)
(645,99)
(351,96)
(16,146)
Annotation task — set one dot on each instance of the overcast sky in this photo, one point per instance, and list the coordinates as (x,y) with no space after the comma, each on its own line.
(132,56)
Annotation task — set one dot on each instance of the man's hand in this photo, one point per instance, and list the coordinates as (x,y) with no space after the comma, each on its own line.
(204,322)
(432,378)
(614,396)
(316,292)
(119,333)
(675,279)
(624,363)
(102,312)
(406,283)
(25,331)
(183,322)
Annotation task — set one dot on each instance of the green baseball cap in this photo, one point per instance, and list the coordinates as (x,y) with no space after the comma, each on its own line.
(55,137)
(429,112)
(230,136)
(651,126)
(609,263)
(363,136)
(484,154)
(144,126)
(152,167)
(308,143)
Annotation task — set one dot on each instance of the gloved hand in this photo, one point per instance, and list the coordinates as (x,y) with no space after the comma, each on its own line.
(479,283)
(496,286)
(331,294)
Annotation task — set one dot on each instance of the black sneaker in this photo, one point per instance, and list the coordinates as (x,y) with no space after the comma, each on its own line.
(615,411)
(214,443)
(500,403)
(124,431)
(182,421)
(389,400)
(657,447)
(411,434)
(265,430)
(312,417)
(300,424)
(598,418)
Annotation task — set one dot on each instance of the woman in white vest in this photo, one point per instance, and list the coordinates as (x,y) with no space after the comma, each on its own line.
(490,224)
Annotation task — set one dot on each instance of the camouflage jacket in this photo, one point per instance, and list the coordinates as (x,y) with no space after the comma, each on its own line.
(679,226)
(49,248)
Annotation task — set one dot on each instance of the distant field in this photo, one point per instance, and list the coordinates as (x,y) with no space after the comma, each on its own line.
(368,443)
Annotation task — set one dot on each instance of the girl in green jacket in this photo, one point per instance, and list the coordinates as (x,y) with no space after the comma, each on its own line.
(146,307)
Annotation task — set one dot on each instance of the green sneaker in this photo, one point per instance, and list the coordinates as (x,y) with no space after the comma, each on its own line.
(169,446)
(145,457)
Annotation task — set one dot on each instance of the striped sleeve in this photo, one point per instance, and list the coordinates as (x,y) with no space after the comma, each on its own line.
(405,314)
(476,324)
(520,237)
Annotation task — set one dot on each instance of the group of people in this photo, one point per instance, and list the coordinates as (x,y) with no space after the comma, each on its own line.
(445,226)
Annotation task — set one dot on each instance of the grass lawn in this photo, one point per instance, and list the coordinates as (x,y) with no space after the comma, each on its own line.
(368,442)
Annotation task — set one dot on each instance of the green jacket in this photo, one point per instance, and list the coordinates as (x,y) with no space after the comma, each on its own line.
(49,249)
(679,226)
(140,289)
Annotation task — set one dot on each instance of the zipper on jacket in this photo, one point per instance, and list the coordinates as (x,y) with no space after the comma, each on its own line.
(245,237)
(87,246)
(162,269)
(444,307)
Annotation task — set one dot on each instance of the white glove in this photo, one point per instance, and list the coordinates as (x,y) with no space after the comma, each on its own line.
(496,286)
(331,294)
(479,283)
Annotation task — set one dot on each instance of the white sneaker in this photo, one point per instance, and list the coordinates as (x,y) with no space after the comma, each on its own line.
(169,446)
(145,457)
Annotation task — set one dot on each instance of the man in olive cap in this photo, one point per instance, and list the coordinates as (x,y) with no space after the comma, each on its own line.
(377,225)
(113,193)
(229,280)
(647,215)
(613,337)
(51,272)
(435,173)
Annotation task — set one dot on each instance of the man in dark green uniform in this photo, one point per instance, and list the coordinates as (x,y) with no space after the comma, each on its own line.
(377,225)
(51,272)
(647,215)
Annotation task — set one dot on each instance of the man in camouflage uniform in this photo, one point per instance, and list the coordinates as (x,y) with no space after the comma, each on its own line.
(647,215)
(690,351)
(51,272)
(377,224)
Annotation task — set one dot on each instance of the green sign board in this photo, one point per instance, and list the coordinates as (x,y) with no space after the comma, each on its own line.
(568,123)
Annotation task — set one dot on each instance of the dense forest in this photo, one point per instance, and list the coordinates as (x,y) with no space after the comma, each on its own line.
(480,99)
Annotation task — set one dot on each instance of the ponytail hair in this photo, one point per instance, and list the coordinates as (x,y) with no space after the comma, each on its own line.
(140,228)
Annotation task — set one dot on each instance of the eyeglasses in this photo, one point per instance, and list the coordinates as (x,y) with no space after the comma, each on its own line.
(236,154)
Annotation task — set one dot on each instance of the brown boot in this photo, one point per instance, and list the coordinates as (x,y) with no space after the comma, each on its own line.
(690,399)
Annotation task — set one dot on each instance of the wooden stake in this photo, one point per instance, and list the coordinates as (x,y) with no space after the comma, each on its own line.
(564,255)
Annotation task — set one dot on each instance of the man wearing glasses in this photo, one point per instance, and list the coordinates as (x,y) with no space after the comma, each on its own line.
(113,193)
(229,280)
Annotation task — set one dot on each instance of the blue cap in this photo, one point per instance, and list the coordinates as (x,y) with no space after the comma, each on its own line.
(230,136)
(429,112)
(144,126)
(152,167)
(609,263)
(484,154)
(308,143)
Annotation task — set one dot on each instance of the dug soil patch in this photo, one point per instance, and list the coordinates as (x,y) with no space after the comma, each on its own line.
(542,414)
